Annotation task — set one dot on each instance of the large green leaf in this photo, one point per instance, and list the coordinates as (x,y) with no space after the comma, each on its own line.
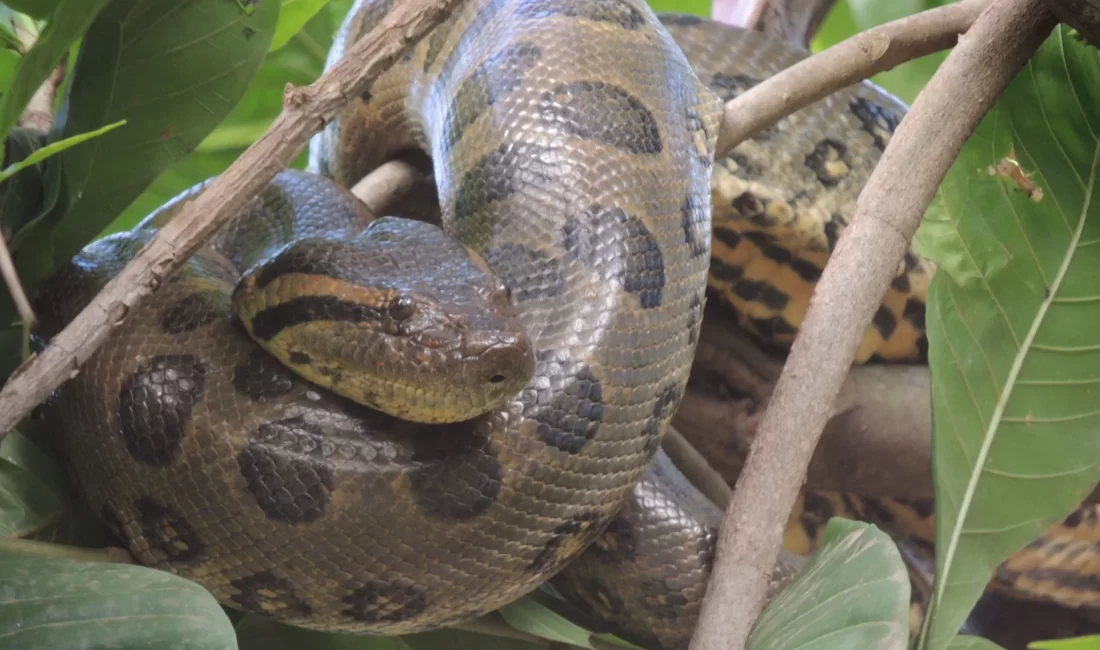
(173,70)
(68,21)
(32,487)
(293,15)
(1012,313)
(1091,642)
(36,8)
(50,603)
(972,643)
(853,593)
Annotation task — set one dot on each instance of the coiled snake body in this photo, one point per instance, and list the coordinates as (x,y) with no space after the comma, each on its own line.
(572,146)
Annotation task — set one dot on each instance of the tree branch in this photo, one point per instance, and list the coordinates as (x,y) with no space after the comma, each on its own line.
(850,61)
(305,111)
(851,288)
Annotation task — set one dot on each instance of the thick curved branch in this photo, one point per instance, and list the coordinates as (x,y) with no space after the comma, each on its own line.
(850,61)
(851,288)
(305,111)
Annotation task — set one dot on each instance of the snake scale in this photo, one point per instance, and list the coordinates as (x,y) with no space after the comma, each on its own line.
(572,145)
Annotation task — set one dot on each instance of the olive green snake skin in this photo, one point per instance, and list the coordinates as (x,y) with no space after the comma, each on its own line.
(573,152)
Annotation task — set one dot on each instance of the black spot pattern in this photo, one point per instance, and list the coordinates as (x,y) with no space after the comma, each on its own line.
(470,35)
(723,272)
(300,358)
(728,86)
(875,119)
(155,406)
(922,346)
(884,322)
(772,328)
(826,151)
(753,290)
(693,219)
(914,312)
(385,602)
(616,12)
(1073,520)
(594,110)
(498,175)
(531,274)
(666,403)
(166,530)
(832,228)
(695,319)
(568,405)
(745,167)
(805,269)
(577,531)
(459,476)
(269,595)
(728,236)
(192,312)
(900,282)
(499,75)
(816,512)
(286,471)
(262,376)
(644,272)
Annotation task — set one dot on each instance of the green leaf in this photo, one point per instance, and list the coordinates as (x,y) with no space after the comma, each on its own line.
(972,643)
(532,617)
(300,62)
(697,7)
(32,487)
(853,593)
(1091,642)
(173,70)
(293,15)
(56,147)
(49,603)
(1014,354)
(69,19)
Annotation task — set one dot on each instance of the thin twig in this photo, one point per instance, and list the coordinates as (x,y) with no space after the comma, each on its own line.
(15,288)
(850,61)
(696,469)
(305,111)
(851,288)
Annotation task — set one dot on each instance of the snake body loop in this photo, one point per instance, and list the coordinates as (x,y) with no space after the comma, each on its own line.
(572,147)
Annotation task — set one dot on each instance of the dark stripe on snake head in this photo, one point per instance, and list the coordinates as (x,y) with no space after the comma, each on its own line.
(297,260)
(262,376)
(269,322)
(499,75)
(534,275)
(458,474)
(572,417)
(286,470)
(167,531)
(569,537)
(594,110)
(616,12)
(192,312)
(644,273)
(693,219)
(266,594)
(154,406)
(379,601)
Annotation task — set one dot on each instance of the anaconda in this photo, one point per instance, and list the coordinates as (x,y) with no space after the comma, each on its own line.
(573,149)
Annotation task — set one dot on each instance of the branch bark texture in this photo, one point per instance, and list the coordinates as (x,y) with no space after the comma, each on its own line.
(850,61)
(305,111)
(851,288)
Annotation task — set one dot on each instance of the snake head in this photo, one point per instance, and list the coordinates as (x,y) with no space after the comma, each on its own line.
(402,318)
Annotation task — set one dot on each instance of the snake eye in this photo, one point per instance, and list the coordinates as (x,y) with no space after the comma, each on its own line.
(402,307)
(507,291)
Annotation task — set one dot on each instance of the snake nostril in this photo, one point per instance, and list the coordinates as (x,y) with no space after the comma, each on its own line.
(496,379)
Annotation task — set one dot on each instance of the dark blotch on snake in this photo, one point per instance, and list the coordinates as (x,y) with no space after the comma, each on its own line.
(723,272)
(805,269)
(470,37)
(262,376)
(769,296)
(458,474)
(884,322)
(771,328)
(685,20)
(578,530)
(499,75)
(568,409)
(535,276)
(727,236)
(269,595)
(286,470)
(616,12)
(695,319)
(594,110)
(192,312)
(618,542)
(824,152)
(155,406)
(380,601)
(167,531)
(874,119)
(693,219)
(498,174)
(666,403)
(914,312)
(644,275)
